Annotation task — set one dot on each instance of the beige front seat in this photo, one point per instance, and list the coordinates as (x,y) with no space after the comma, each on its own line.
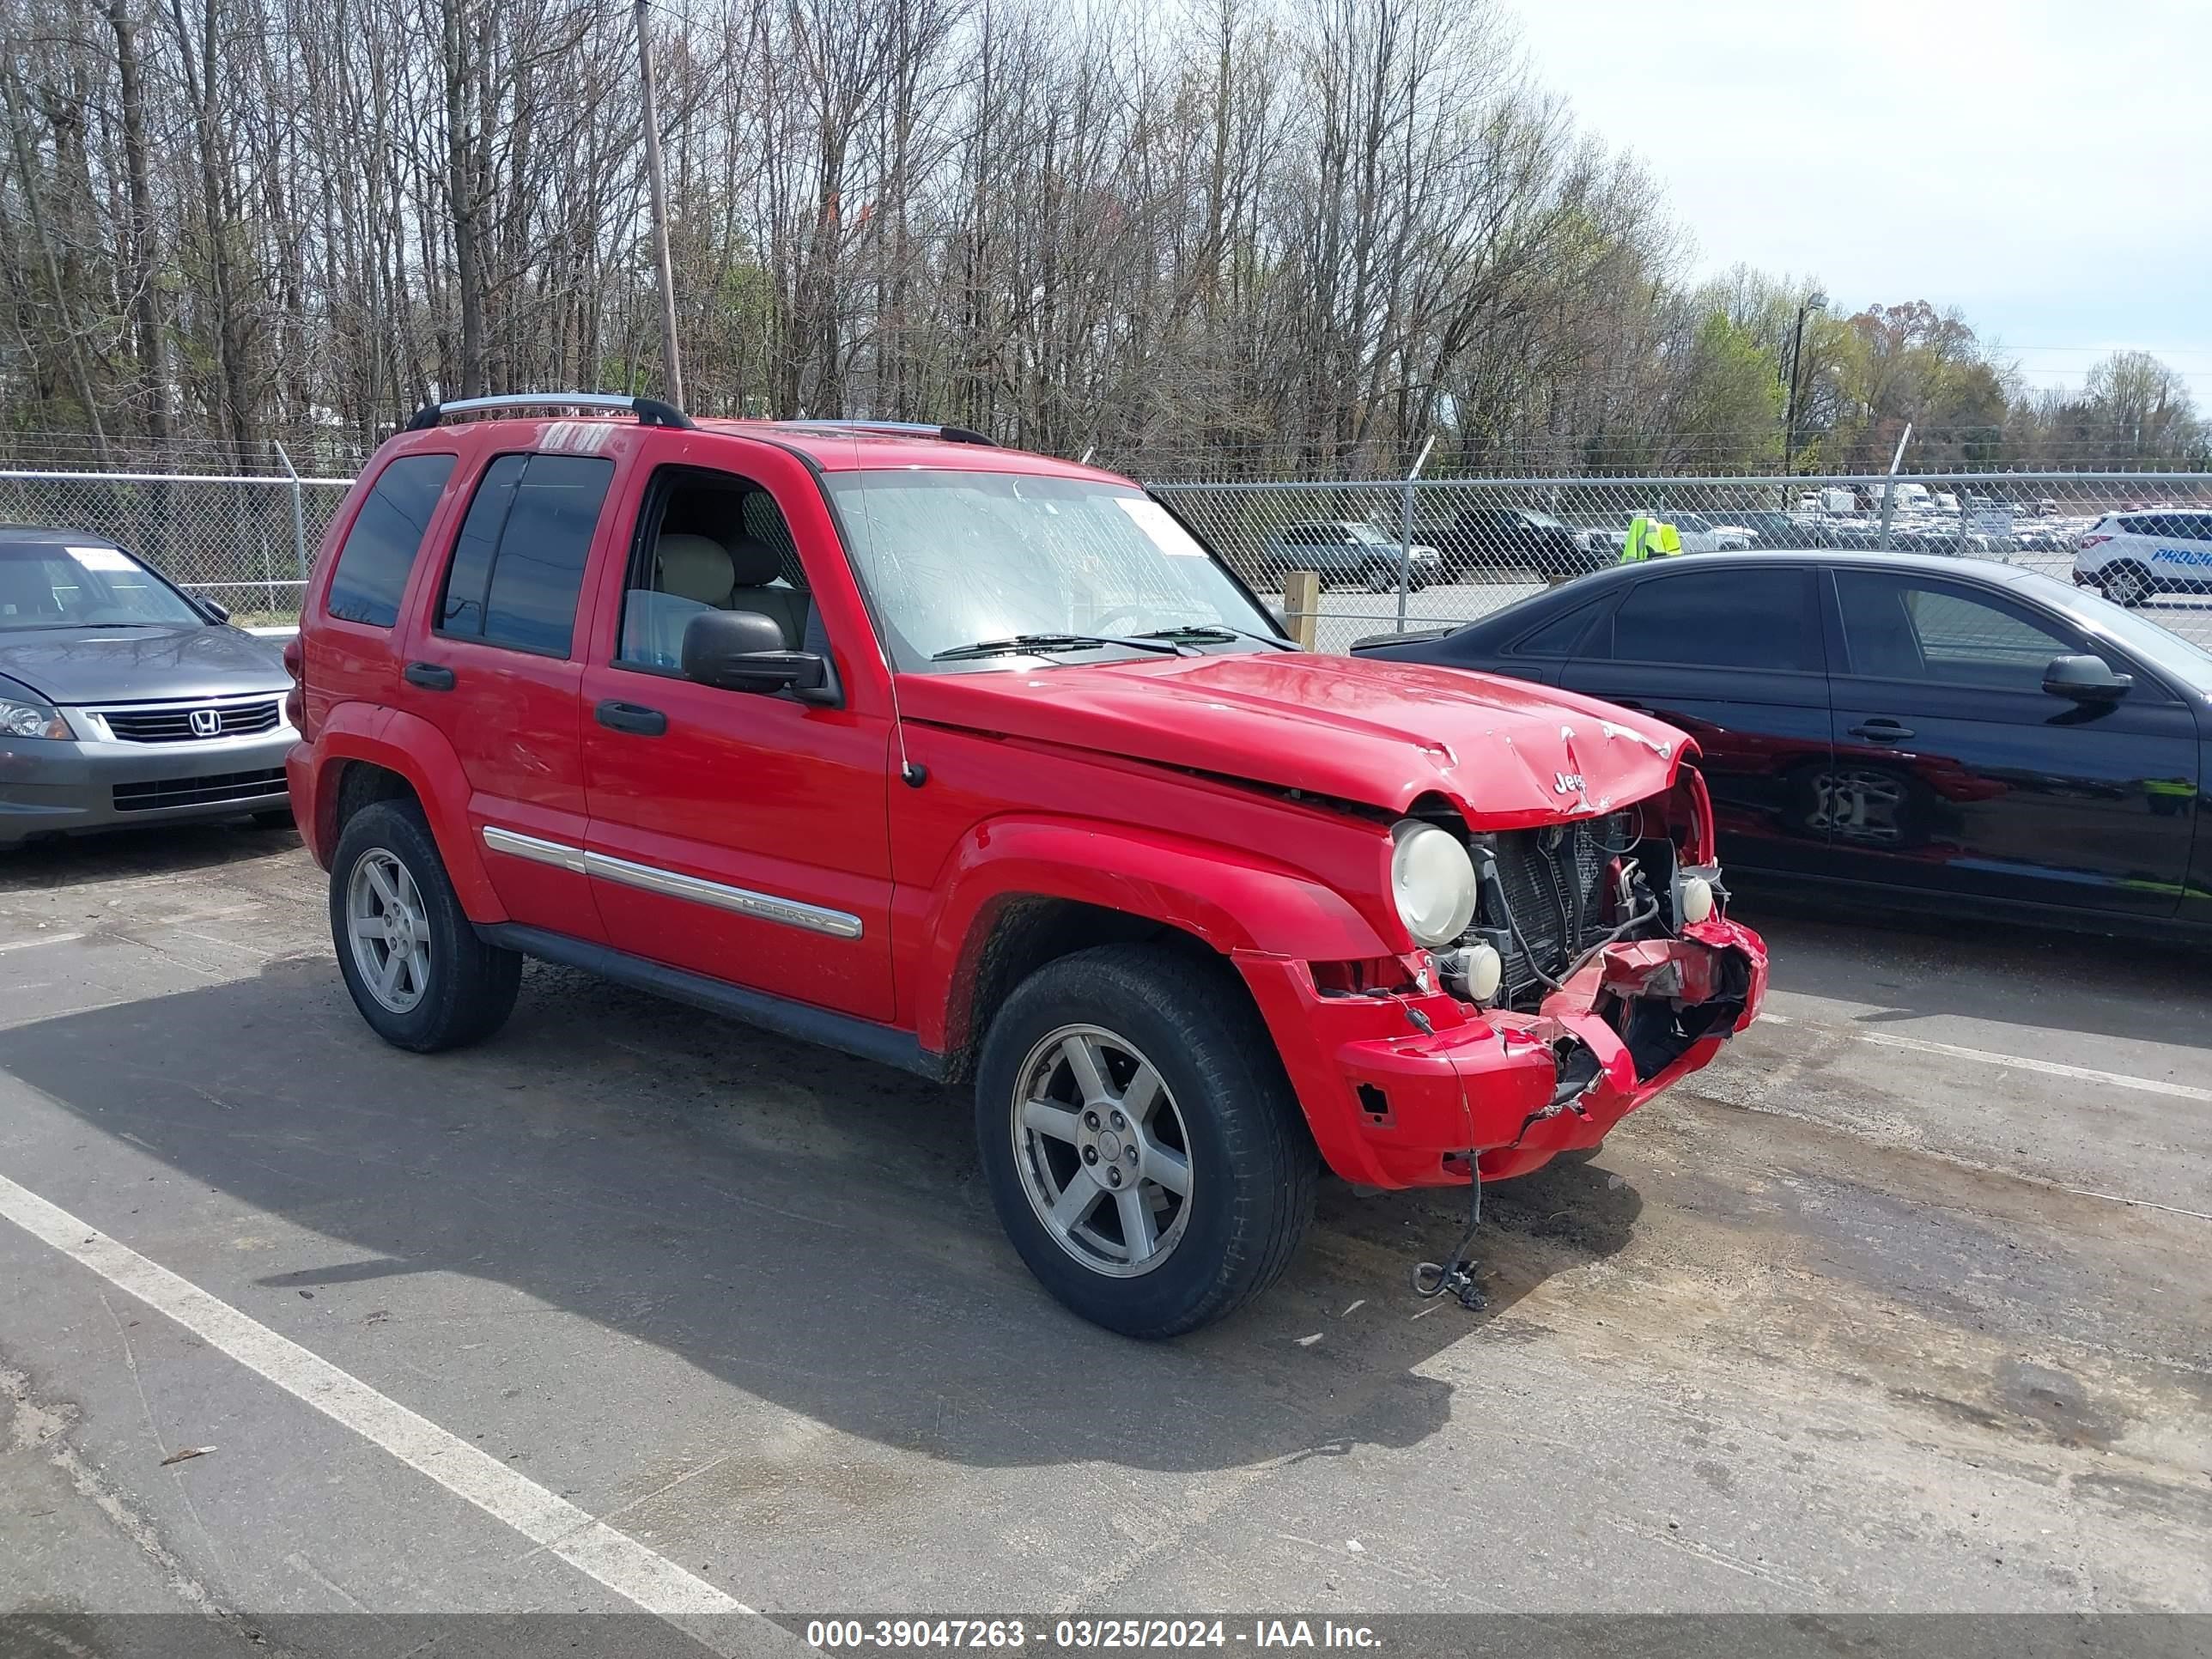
(757,565)
(696,567)
(691,575)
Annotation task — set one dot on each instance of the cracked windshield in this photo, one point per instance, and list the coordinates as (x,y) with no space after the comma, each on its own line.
(958,563)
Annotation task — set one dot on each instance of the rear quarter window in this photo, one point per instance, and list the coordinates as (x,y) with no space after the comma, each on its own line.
(1559,636)
(379,549)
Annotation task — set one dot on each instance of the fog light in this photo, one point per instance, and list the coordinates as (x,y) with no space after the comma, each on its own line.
(1697,899)
(1485,972)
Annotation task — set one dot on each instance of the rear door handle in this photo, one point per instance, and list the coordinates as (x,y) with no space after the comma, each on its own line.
(1882,731)
(430,676)
(631,717)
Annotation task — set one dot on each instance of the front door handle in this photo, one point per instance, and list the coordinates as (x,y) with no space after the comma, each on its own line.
(1882,731)
(430,676)
(631,717)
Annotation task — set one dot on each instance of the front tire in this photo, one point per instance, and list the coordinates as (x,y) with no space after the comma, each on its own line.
(2128,586)
(1143,1148)
(415,968)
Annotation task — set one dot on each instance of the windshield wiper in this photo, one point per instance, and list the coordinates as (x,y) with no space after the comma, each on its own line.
(1032,645)
(1221,631)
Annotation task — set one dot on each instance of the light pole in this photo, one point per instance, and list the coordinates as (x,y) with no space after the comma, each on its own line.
(671,364)
(1815,301)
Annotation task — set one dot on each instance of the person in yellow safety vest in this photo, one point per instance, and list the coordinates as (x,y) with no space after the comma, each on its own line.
(1649,538)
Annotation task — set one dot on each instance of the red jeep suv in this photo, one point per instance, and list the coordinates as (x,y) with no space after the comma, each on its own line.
(979,763)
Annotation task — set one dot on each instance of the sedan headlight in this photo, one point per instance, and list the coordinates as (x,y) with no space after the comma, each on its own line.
(26,717)
(1433,880)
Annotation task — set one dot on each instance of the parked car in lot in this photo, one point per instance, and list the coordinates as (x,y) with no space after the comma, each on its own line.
(1920,731)
(1702,535)
(1481,540)
(1768,527)
(123,700)
(1351,552)
(2131,558)
(1733,536)
(977,763)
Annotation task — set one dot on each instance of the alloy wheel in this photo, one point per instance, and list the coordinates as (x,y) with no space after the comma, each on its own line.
(388,927)
(1102,1151)
(2126,587)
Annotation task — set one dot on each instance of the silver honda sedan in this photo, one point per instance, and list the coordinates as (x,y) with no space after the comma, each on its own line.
(125,702)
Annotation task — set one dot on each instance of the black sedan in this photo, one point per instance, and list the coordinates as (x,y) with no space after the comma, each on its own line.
(123,700)
(1924,730)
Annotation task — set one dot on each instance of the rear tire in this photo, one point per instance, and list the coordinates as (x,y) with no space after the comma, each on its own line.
(1215,1116)
(391,898)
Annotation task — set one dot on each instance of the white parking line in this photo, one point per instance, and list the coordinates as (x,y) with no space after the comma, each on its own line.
(614,1558)
(2048,1067)
(32,944)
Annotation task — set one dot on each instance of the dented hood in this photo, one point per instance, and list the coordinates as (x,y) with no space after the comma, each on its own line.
(1508,754)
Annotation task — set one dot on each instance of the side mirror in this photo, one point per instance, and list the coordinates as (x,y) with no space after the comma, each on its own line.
(2085,679)
(213,611)
(744,651)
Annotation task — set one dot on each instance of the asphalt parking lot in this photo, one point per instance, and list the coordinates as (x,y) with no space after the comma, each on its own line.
(1901,1306)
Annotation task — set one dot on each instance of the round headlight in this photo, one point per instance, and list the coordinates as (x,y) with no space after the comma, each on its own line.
(1432,879)
(1696,898)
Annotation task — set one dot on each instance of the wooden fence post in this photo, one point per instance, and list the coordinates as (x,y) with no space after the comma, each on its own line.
(1302,606)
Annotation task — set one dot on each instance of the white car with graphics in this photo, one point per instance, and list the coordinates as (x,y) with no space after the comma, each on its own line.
(2131,556)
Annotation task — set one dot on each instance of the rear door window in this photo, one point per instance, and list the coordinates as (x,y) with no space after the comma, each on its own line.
(1760,619)
(518,564)
(379,549)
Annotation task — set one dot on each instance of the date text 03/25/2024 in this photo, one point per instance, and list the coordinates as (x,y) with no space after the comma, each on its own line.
(1085,1635)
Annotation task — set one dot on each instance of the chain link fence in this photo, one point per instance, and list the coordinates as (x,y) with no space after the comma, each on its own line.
(1390,554)
(246,542)
(1408,555)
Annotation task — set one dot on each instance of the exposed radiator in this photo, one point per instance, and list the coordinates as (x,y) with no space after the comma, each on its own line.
(1555,883)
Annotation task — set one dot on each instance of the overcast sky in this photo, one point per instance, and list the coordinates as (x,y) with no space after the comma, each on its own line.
(2044,165)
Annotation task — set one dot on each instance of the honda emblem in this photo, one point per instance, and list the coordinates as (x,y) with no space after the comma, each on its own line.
(206,723)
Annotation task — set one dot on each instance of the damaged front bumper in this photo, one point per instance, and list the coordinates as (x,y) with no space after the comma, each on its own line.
(1393,1104)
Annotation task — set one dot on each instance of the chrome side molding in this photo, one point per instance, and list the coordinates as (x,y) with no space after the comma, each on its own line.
(742,901)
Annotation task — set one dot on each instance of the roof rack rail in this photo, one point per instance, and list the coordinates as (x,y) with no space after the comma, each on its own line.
(650,411)
(951,434)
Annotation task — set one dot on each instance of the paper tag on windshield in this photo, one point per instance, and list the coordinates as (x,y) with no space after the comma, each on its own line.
(1159,526)
(101,558)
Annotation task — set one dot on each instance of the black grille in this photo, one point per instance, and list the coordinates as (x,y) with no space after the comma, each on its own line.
(1554,884)
(211,790)
(237,720)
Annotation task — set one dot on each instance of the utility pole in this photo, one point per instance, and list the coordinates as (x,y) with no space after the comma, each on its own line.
(673,364)
(1814,301)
